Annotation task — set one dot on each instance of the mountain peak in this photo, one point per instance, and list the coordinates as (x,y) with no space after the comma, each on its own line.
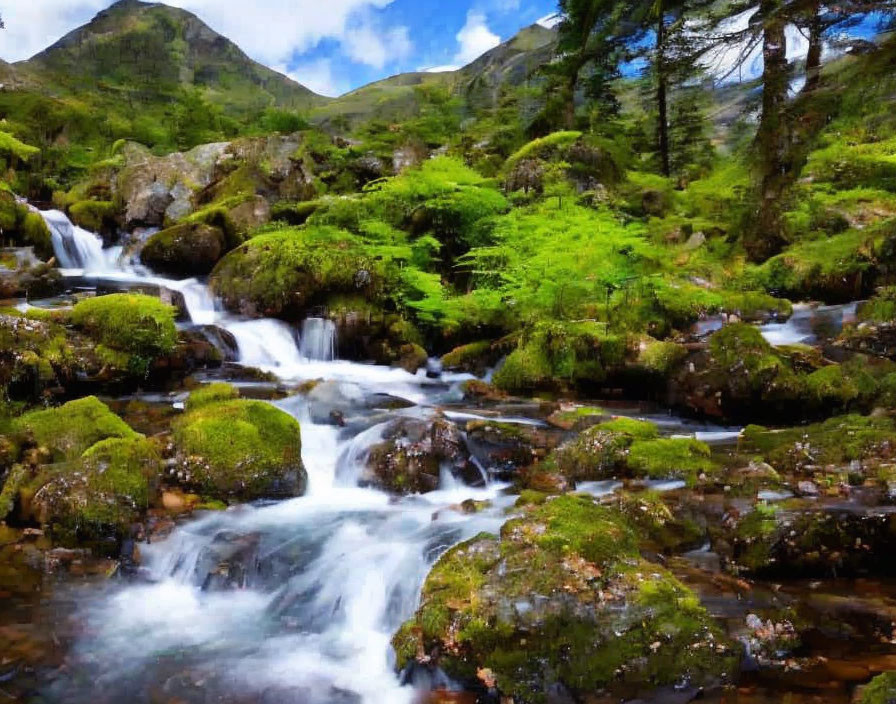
(149,48)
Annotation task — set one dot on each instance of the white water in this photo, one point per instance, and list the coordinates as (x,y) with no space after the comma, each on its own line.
(328,578)
(318,340)
(809,323)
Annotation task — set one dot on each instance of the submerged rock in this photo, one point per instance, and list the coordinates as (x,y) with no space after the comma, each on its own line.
(562,602)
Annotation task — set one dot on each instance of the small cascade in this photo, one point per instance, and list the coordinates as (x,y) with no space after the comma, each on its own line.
(198,300)
(318,340)
(265,343)
(74,247)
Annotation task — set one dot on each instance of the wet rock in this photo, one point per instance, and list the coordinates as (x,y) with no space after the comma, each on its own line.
(413,454)
(505,449)
(228,562)
(562,604)
(476,358)
(799,541)
(188,249)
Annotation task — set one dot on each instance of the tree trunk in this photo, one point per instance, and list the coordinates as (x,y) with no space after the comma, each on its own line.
(662,94)
(569,101)
(813,58)
(767,239)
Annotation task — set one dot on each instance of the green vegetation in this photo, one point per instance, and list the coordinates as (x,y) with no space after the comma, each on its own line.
(881,690)
(676,458)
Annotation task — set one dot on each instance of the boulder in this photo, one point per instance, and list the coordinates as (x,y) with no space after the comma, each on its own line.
(186,249)
(414,452)
(562,607)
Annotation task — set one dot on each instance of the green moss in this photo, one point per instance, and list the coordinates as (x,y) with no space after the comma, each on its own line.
(561,353)
(837,441)
(94,215)
(212,393)
(661,357)
(881,690)
(141,327)
(671,458)
(838,387)
(532,607)
(538,147)
(285,272)
(71,429)
(471,357)
(636,429)
(240,450)
(881,308)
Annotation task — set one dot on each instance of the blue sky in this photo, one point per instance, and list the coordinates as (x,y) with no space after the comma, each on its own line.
(331,46)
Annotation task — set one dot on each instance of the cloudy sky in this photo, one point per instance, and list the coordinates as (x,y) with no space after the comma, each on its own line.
(330,46)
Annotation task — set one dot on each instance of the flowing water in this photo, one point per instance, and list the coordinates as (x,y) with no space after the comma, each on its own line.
(294,601)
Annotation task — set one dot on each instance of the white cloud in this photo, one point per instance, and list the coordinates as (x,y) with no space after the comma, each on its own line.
(35,25)
(318,76)
(475,38)
(270,31)
(366,44)
(550,21)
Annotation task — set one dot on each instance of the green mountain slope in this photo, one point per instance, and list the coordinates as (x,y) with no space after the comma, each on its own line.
(478,84)
(144,51)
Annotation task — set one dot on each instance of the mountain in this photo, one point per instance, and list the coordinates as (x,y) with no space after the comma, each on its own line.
(478,84)
(141,51)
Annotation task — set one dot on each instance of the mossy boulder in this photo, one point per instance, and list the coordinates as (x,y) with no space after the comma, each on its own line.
(212,393)
(99,496)
(132,329)
(562,602)
(561,355)
(881,690)
(475,358)
(95,215)
(70,430)
(34,356)
(238,450)
(670,458)
(283,274)
(187,249)
(741,376)
(412,454)
(846,449)
(799,540)
(507,449)
(875,330)
(601,451)
(22,227)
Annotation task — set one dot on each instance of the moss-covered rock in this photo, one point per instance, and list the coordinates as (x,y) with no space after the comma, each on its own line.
(100,495)
(95,215)
(806,540)
(601,451)
(562,602)
(22,227)
(553,355)
(670,458)
(283,274)
(132,329)
(881,690)
(506,449)
(875,331)
(475,358)
(188,248)
(212,393)
(239,450)
(845,445)
(741,377)
(70,430)
(34,355)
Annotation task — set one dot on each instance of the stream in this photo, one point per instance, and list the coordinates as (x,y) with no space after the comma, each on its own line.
(315,587)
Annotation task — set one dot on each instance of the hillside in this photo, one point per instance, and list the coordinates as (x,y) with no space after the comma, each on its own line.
(138,50)
(478,84)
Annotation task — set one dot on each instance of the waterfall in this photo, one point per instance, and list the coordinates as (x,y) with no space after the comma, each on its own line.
(74,247)
(318,341)
(265,343)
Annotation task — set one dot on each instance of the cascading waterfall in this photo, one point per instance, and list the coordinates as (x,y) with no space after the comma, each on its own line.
(318,340)
(74,247)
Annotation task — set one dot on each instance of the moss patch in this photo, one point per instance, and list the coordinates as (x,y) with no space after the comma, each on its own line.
(240,450)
